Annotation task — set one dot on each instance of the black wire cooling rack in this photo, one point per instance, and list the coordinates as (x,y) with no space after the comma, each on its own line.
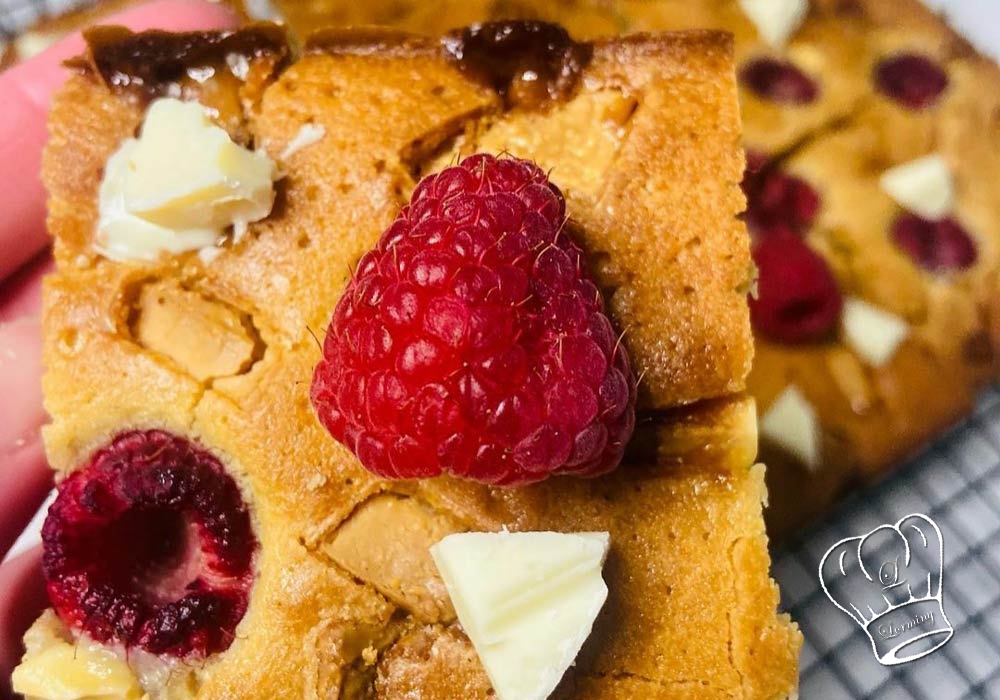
(956,482)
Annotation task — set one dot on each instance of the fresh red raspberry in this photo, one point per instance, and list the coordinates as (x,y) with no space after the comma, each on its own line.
(798,300)
(472,342)
(938,246)
(912,80)
(779,81)
(150,545)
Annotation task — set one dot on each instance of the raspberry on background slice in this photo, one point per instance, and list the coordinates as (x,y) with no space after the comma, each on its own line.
(798,299)
(937,246)
(912,80)
(777,199)
(471,340)
(779,81)
(150,545)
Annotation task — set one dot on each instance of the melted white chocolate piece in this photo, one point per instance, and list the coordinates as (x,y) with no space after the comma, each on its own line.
(179,186)
(55,667)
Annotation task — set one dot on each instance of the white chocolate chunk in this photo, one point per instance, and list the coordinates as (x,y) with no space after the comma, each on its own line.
(924,186)
(874,334)
(54,668)
(179,186)
(123,236)
(527,600)
(776,20)
(791,423)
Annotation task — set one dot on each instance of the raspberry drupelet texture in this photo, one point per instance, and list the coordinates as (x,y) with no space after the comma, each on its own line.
(472,342)
(150,546)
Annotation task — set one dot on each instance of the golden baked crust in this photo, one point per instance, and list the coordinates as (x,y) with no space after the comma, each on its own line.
(871,419)
(341,606)
(837,45)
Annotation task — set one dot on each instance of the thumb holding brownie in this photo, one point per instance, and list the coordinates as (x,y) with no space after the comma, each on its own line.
(25,92)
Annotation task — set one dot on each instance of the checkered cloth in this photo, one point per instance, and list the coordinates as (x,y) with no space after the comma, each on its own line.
(956,482)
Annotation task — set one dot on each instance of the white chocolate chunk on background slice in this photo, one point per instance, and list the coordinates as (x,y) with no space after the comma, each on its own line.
(527,601)
(791,423)
(873,333)
(776,20)
(924,186)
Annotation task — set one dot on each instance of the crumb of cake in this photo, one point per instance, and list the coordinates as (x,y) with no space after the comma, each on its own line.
(306,136)
(209,253)
(472,342)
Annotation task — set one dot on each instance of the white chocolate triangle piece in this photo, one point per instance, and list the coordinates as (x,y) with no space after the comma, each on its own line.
(873,333)
(527,600)
(791,423)
(776,20)
(924,186)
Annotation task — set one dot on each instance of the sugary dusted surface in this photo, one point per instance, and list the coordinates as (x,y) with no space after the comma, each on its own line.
(859,87)
(339,605)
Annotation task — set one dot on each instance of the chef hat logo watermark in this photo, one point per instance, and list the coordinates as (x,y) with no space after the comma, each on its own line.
(889,582)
